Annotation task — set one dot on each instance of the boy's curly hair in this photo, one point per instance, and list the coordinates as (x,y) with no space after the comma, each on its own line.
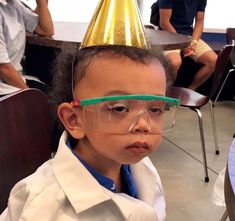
(71,65)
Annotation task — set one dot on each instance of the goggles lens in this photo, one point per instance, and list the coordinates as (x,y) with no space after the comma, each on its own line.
(120,114)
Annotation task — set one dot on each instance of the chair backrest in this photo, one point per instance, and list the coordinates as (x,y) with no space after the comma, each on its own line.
(220,67)
(230,35)
(233,57)
(25,137)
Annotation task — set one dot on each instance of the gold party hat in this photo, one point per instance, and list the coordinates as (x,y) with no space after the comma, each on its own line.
(116,22)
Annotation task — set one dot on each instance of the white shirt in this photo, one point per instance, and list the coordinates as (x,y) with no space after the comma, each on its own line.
(63,189)
(4,2)
(15,19)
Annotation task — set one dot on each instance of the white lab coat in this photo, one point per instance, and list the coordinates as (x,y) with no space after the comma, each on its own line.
(62,189)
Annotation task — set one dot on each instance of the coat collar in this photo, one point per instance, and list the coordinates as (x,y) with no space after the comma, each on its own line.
(69,175)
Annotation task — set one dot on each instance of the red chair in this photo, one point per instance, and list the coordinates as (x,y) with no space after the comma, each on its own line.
(25,131)
(194,101)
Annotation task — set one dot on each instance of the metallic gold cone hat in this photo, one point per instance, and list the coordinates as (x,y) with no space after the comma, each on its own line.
(116,22)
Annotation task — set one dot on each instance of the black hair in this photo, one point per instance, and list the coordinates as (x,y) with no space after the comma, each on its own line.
(71,65)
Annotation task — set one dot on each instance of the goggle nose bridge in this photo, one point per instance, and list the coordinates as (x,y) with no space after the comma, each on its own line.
(141,113)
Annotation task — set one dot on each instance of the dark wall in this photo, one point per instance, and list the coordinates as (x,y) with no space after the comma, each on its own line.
(39,61)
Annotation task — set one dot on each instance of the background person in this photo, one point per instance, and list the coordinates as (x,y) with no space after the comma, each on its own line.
(15,20)
(187,17)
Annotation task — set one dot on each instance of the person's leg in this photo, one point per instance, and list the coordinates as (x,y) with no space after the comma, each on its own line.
(174,60)
(206,56)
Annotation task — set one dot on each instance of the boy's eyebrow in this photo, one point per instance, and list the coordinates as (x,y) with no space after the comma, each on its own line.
(118,92)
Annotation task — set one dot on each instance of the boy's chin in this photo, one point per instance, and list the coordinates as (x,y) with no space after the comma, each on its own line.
(134,161)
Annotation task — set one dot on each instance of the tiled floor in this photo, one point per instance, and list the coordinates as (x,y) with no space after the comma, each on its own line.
(179,162)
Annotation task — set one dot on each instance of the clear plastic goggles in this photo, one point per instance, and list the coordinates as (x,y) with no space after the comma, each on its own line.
(122,114)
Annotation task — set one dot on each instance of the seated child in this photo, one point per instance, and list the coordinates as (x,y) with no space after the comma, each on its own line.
(112,105)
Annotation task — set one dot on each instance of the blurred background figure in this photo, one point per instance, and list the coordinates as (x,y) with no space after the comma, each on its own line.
(187,17)
(16,19)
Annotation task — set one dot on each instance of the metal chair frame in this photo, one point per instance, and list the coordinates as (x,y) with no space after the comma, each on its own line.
(195,101)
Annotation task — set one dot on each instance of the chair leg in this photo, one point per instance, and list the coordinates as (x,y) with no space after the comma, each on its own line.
(199,114)
(222,86)
(214,128)
(225,216)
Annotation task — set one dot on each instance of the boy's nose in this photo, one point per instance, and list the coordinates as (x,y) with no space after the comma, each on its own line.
(141,124)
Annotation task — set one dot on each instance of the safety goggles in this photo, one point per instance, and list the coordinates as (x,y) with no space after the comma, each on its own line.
(122,114)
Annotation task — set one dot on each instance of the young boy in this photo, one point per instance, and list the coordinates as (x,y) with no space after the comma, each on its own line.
(112,113)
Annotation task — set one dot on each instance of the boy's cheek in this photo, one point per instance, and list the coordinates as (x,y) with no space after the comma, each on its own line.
(156,142)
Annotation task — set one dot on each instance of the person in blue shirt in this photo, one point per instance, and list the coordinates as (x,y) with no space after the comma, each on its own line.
(187,17)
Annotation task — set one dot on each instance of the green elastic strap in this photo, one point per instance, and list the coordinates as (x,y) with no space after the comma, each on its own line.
(146,97)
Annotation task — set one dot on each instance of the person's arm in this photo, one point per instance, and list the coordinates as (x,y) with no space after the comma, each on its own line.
(45,25)
(197,32)
(198,27)
(165,16)
(9,75)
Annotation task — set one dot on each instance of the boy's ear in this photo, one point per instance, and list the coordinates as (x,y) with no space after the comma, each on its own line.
(71,120)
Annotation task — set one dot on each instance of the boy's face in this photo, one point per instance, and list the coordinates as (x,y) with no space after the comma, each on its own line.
(120,76)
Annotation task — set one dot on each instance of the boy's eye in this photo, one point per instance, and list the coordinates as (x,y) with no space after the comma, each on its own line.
(155,110)
(118,107)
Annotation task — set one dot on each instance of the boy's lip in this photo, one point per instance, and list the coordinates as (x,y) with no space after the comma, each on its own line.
(139,144)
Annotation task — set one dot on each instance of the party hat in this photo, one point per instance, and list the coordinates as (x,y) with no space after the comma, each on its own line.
(116,22)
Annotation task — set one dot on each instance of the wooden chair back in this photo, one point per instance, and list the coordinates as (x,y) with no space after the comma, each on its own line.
(230,35)
(233,57)
(220,68)
(25,137)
